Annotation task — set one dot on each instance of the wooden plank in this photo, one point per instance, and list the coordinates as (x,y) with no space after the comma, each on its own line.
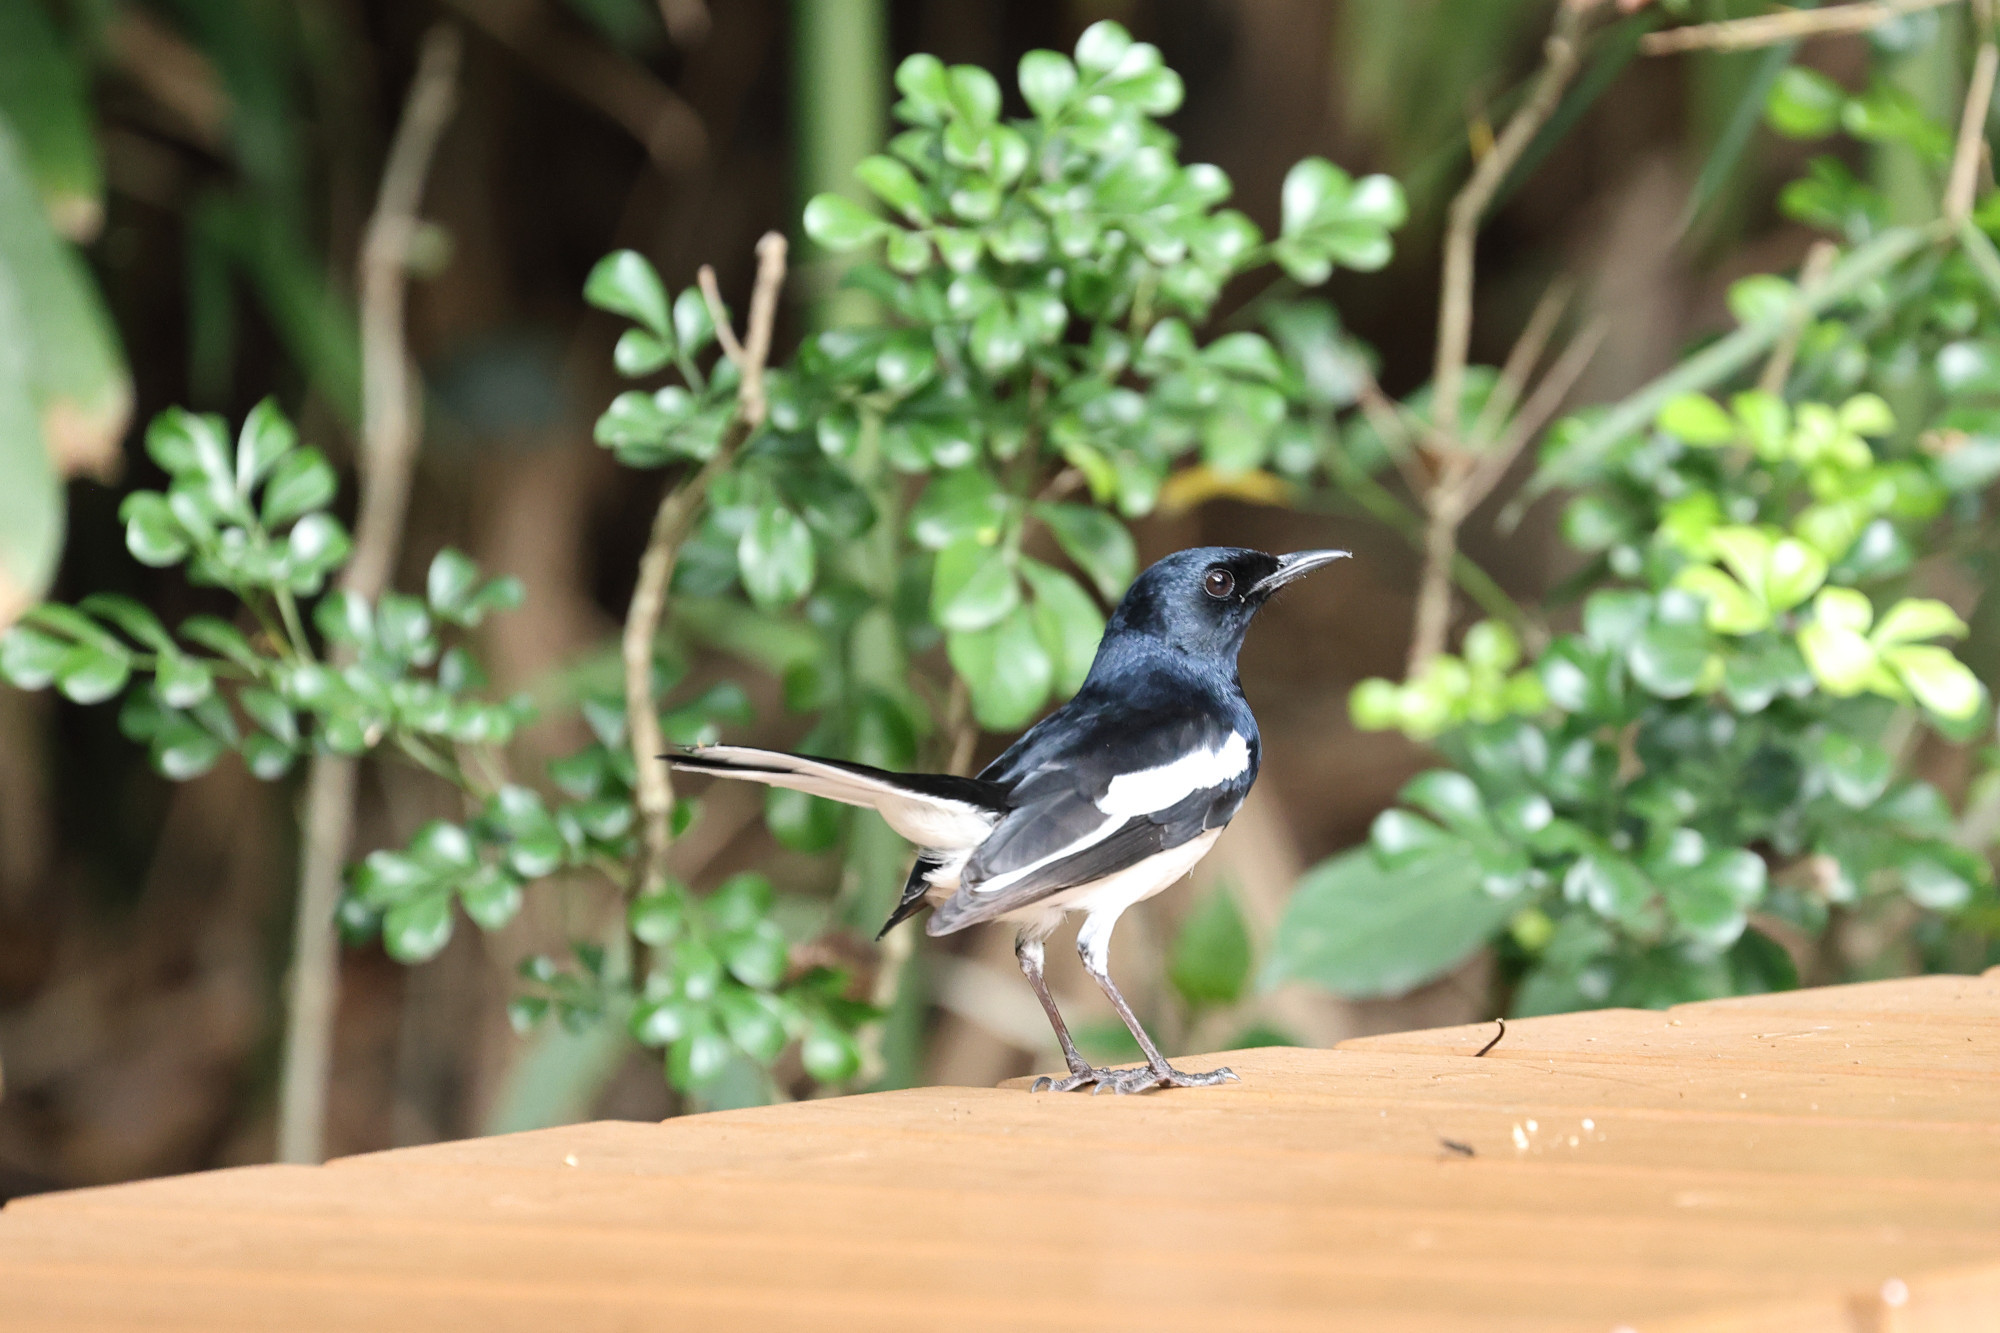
(1738,1165)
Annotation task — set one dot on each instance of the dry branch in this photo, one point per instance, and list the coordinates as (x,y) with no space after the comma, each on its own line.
(1779,367)
(1561,54)
(1786,26)
(1966,157)
(1452,495)
(671,523)
(387,458)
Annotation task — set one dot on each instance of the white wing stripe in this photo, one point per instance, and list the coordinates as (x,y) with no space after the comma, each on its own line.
(1155,789)
(1015,876)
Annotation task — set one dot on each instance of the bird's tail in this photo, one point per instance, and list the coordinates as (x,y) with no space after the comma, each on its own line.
(935,811)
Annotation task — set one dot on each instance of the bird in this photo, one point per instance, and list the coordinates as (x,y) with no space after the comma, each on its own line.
(1106,801)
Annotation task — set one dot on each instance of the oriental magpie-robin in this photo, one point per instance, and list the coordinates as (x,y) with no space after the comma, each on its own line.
(1101,804)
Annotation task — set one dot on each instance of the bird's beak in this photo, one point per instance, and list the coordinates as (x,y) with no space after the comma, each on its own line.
(1292,566)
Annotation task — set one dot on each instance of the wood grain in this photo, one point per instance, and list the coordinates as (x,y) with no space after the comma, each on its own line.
(1819,1160)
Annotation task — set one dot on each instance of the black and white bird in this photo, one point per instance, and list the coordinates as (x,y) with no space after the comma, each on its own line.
(1103,803)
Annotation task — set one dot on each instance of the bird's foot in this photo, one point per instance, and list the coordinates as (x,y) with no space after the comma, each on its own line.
(1080,1077)
(1145,1078)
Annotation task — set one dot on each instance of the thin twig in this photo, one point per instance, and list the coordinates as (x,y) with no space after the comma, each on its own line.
(1520,363)
(1811,273)
(1385,414)
(1971,136)
(1497,1038)
(1447,502)
(1537,412)
(671,523)
(387,457)
(1787,26)
(718,316)
(1561,54)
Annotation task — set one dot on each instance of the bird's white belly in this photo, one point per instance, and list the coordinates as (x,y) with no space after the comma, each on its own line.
(1116,892)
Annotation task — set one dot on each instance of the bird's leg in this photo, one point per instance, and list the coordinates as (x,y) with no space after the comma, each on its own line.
(1093,945)
(1028,950)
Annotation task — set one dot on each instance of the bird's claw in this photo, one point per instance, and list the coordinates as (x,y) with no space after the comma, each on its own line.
(1078,1079)
(1124,1082)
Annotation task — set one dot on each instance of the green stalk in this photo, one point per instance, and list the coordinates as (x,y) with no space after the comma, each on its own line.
(1721,359)
(840,112)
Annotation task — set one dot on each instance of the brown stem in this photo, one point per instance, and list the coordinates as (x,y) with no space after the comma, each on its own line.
(1520,363)
(1779,367)
(1789,26)
(1971,136)
(1432,621)
(1541,407)
(387,458)
(1560,57)
(671,523)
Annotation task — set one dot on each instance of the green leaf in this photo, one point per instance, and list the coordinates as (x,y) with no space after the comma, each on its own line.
(30,658)
(838,223)
(301,482)
(1362,929)
(1047,80)
(1939,680)
(1914,619)
(1101,546)
(1399,837)
(973,586)
(152,534)
(1804,104)
(1450,797)
(1067,620)
(1697,419)
(753,1022)
(1667,660)
(757,957)
(1792,572)
(450,582)
(1729,608)
(183,750)
(417,930)
(90,673)
(1211,956)
(829,1054)
(44,99)
(491,897)
(1842,660)
(775,557)
(895,185)
(219,636)
(1006,668)
(132,617)
(266,437)
(1102,45)
(964,504)
(66,372)
(640,353)
(625,283)
(694,324)
(1609,885)
(182,682)
(656,919)
(1971,366)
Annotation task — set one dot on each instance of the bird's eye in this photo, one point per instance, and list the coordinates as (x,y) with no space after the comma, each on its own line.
(1219,583)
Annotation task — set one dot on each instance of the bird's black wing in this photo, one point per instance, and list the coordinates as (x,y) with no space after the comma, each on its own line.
(1110,786)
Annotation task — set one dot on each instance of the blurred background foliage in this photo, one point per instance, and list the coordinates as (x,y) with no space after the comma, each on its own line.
(1697,733)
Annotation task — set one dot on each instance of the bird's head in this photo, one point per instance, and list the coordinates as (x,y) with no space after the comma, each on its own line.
(1202,600)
